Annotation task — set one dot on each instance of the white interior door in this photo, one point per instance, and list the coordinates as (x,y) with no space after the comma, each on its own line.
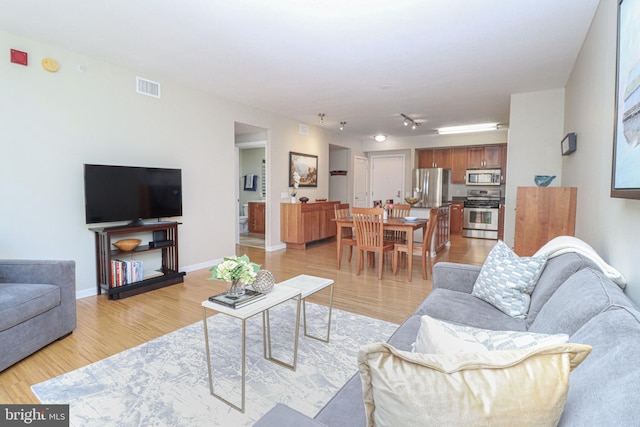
(387,177)
(360,182)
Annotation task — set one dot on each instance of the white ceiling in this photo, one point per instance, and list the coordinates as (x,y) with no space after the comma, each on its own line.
(441,62)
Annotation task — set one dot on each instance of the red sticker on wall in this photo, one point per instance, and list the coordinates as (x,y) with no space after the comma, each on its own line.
(18,57)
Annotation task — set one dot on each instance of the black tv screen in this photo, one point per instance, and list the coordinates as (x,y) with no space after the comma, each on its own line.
(129,193)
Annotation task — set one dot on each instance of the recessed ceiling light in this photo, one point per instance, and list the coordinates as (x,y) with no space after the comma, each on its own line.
(481,127)
(380,138)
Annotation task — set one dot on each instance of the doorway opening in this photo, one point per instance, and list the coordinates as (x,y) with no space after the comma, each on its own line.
(339,173)
(251,185)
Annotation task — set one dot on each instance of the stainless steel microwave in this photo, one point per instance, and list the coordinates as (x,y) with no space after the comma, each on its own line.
(483,176)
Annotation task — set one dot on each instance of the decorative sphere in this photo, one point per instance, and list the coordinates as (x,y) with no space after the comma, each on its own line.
(264,281)
(543,180)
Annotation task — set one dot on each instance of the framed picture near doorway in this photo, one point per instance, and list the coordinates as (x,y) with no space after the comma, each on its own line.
(307,167)
(625,180)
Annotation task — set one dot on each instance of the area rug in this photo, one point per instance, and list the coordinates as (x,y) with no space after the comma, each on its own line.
(164,382)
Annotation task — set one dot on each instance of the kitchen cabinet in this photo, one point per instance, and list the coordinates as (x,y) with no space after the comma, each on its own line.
(302,223)
(459,165)
(543,213)
(484,156)
(256,220)
(457,218)
(435,158)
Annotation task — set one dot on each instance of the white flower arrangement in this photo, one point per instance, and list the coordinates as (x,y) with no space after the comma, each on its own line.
(296,183)
(235,268)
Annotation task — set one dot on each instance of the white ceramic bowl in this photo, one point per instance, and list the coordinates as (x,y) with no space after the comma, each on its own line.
(410,218)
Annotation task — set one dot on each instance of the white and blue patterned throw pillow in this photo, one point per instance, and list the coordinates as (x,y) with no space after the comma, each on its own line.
(506,280)
(438,337)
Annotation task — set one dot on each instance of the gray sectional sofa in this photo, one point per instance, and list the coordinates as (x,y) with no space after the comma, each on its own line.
(37,306)
(572,296)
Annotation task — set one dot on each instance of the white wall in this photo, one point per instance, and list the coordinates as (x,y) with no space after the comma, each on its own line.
(53,123)
(610,225)
(535,131)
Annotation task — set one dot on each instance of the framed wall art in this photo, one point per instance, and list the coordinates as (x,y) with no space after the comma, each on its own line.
(625,180)
(307,167)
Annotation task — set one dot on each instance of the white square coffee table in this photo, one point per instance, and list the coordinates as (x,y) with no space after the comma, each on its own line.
(278,295)
(309,285)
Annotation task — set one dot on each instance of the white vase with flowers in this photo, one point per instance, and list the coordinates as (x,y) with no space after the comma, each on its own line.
(296,184)
(238,272)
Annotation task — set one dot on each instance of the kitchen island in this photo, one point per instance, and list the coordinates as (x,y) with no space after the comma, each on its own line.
(442,235)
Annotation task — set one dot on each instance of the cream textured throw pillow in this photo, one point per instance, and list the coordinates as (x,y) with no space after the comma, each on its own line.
(501,388)
(436,336)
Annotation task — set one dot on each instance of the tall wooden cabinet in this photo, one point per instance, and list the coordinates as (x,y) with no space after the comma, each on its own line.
(302,223)
(543,213)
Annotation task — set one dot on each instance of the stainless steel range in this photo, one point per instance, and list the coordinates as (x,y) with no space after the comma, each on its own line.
(481,210)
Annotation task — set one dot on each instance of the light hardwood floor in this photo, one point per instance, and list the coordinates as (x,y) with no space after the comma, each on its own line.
(106,327)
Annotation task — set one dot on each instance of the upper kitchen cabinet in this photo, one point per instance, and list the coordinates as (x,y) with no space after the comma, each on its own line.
(485,156)
(435,158)
(458,165)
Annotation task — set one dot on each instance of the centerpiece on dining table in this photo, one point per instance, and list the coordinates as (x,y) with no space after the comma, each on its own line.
(388,206)
(237,272)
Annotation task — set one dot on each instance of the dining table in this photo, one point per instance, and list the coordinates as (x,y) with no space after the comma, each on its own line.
(389,224)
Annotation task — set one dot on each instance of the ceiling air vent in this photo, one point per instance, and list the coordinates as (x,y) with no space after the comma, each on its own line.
(147,87)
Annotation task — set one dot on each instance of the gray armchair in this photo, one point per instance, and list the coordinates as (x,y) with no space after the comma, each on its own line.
(37,306)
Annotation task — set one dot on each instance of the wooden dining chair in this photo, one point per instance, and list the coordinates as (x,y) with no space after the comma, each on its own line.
(348,236)
(398,211)
(369,229)
(423,249)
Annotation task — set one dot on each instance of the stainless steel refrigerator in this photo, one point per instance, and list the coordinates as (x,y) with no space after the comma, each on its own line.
(431,186)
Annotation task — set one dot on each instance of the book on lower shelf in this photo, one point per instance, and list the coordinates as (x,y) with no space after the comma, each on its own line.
(237,302)
(125,272)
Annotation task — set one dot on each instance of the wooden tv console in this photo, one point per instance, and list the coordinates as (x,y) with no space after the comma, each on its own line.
(105,253)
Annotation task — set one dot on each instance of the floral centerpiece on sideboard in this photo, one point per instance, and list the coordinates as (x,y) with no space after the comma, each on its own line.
(237,272)
(296,184)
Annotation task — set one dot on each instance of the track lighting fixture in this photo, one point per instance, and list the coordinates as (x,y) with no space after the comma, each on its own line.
(342,125)
(409,121)
(321,115)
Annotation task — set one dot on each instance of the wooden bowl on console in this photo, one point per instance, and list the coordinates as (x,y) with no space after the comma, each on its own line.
(127,245)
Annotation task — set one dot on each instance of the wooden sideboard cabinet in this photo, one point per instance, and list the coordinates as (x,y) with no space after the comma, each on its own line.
(543,213)
(302,223)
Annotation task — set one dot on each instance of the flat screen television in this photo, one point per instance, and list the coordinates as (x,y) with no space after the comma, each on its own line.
(131,193)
